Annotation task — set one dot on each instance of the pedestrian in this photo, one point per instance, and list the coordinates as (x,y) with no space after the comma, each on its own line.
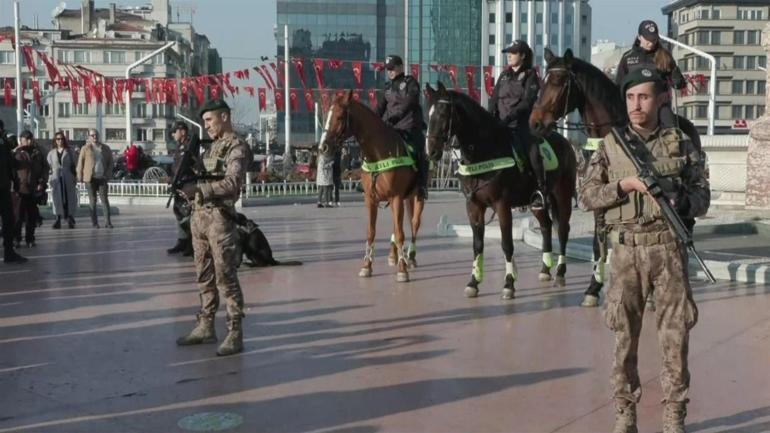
(214,229)
(646,257)
(337,176)
(132,156)
(95,165)
(32,173)
(648,53)
(63,178)
(186,142)
(512,101)
(401,110)
(324,180)
(8,180)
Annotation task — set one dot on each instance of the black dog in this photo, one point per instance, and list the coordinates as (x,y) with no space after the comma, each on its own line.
(254,245)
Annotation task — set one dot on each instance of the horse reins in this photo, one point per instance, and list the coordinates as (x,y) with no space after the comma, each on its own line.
(574,126)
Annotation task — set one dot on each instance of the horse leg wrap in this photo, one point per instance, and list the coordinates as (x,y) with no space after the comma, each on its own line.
(369,252)
(510,269)
(393,238)
(402,254)
(548,260)
(412,250)
(478,268)
(599,271)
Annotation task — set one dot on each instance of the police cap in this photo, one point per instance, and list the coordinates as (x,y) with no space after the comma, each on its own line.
(517,46)
(649,30)
(392,61)
(639,76)
(214,105)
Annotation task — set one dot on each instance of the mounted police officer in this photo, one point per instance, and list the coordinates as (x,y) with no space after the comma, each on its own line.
(647,52)
(647,258)
(184,143)
(512,101)
(214,229)
(401,110)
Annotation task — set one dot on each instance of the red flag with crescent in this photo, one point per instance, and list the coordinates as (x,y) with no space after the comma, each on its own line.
(372,98)
(309,101)
(378,66)
(318,65)
(335,64)
(489,80)
(262,92)
(358,74)
(470,77)
(326,100)
(279,99)
(299,64)
(279,69)
(7,96)
(452,70)
(415,71)
(36,94)
(294,100)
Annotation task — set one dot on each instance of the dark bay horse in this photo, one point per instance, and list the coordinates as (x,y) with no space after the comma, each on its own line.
(388,174)
(494,176)
(573,84)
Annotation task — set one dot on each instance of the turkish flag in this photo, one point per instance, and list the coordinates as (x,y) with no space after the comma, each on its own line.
(309,100)
(452,70)
(279,70)
(318,65)
(335,63)
(36,94)
(108,95)
(357,95)
(415,71)
(75,87)
(358,74)
(269,76)
(470,77)
(185,91)
(326,100)
(264,78)
(300,65)
(279,100)
(262,99)
(53,73)
(372,98)
(378,66)
(26,52)
(294,100)
(120,91)
(8,96)
(489,80)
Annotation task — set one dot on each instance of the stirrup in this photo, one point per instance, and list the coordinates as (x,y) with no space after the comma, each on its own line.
(537,196)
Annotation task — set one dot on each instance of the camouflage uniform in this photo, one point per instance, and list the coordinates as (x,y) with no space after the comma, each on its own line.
(647,257)
(215,242)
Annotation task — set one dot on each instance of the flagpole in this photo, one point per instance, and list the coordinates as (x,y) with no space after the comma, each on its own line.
(287,93)
(19,87)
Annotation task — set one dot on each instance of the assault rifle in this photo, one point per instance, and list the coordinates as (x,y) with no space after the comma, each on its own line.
(185,171)
(647,177)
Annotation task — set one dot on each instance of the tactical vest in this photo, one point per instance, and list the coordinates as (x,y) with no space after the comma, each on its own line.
(640,208)
(215,163)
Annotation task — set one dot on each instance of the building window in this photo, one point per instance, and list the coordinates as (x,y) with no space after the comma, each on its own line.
(115,134)
(683,65)
(82,57)
(749,112)
(508,38)
(737,87)
(751,63)
(80,110)
(749,87)
(761,87)
(115,57)
(584,19)
(554,18)
(158,134)
(491,39)
(715,14)
(80,134)
(738,62)
(701,111)
(760,110)
(524,18)
(716,38)
(737,111)
(508,17)
(141,110)
(539,18)
(491,60)
(752,37)
(141,134)
(762,61)
(491,17)
(64,109)
(63,56)
(114,109)
(739,38)
(701,64)
(7,58)
(704,14)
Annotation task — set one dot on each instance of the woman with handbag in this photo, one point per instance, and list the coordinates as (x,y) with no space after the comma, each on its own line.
(62,160)
(32,172)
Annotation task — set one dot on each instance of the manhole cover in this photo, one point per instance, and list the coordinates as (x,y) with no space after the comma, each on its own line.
(210,421)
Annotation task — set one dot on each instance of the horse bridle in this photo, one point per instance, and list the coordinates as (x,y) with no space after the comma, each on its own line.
(345,130)
(448,137)
(573,126)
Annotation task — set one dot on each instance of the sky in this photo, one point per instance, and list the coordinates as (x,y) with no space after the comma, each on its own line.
(242,30)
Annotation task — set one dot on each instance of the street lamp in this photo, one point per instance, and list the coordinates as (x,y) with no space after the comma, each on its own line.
(128,93)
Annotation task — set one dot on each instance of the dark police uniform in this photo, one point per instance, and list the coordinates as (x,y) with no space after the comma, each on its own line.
(637,58)
(512,101)
(181,207)
(7,179)
(401,110)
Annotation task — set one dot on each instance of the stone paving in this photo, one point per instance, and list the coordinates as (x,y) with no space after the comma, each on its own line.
(87,332)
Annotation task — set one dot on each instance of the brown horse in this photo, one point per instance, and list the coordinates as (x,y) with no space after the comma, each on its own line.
(493,175)
(388,175)
(573,84)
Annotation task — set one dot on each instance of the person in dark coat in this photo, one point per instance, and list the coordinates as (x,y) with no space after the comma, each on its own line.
(401,110)
(647,52)
(512,101)
(185,142)
(32,172)
(7,180)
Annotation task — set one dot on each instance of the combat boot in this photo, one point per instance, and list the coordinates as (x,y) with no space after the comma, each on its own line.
(625,418)
(178,248)
(203,333)
(234,341)
(673,417)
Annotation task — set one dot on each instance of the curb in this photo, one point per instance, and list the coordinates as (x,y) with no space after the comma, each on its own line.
(743,271)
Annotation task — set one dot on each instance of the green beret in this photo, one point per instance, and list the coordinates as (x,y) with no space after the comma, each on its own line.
(639,76)
(214,105)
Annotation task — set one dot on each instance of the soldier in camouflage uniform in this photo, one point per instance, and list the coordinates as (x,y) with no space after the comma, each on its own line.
(214,230)
(646,256)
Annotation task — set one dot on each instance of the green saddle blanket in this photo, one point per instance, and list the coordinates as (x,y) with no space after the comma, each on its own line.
(550,161)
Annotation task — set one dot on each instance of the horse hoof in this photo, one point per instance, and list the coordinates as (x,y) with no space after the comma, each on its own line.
(402,277)
(507,294)
(412,263)
(365,272)
(471,292)
(391,261)
(544,277)
(590,301)
(560,281)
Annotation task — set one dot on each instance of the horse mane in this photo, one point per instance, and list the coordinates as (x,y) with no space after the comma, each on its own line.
(478,115)
(596,83)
